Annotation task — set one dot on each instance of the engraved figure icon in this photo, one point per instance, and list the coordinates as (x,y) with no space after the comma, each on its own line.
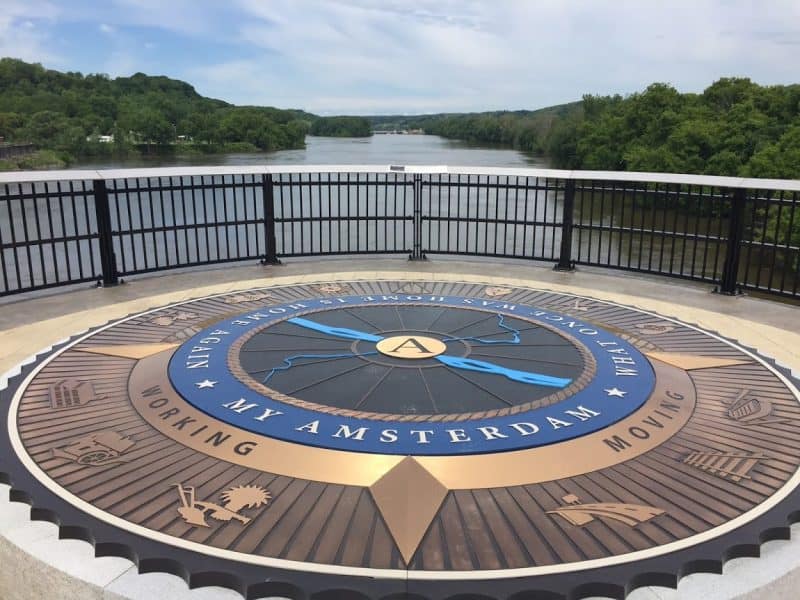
(98,449)
(234,500)
(247,297)
(169,319)
(497,291)
(330,288)
(582,514)
(654,328)
(69,393)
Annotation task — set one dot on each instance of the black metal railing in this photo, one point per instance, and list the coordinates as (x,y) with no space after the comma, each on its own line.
(59,228)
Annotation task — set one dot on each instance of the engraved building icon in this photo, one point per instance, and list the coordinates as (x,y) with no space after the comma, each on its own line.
(68,393)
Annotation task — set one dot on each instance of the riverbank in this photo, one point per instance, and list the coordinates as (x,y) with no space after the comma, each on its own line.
(35,161)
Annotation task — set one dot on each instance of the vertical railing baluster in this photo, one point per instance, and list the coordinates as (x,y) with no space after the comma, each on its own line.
(108,261)
(268,196)
(416,252)
(730,270)
(565,262)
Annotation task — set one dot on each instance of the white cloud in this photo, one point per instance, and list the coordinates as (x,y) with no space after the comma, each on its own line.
(519,54)
(426,55)
(121,63)
(21,37)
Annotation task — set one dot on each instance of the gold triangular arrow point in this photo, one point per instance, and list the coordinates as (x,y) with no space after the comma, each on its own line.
(408,497)
(689,362)
(137,351)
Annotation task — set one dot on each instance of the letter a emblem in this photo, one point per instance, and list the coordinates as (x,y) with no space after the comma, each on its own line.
(411,346)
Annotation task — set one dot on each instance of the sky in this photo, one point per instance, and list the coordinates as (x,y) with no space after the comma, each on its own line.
(411,56)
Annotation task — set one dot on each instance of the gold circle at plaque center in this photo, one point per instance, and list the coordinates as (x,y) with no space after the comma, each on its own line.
(411,346)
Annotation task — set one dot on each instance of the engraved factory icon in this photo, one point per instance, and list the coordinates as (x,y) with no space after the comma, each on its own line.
(69,393)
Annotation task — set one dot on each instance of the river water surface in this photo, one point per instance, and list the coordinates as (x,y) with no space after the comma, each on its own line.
(378,150)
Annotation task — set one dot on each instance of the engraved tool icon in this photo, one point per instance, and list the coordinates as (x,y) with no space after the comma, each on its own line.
(99,449)
(413,288)
(582,514)
(234,499)
(579,306)
(69,393)
(576,305)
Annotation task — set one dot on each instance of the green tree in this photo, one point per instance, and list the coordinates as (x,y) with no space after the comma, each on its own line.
(149,127)
(341,127)
(9,124)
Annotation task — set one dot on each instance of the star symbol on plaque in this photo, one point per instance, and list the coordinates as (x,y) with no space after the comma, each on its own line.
(615,392)
(205,384)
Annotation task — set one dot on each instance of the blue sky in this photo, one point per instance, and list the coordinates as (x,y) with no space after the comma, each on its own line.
(406,56)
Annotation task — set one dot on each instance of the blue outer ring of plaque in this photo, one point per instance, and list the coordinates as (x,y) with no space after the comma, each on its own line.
(285,426)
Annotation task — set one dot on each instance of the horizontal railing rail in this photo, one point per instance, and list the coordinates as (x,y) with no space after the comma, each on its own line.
(67,227)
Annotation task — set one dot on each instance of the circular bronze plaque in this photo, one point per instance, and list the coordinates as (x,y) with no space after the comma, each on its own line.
(407,437)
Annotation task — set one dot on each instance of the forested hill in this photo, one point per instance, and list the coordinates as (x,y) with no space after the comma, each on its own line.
(59,111)
(735,127)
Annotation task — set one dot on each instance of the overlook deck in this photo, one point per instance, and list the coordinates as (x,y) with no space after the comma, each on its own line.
(380,428)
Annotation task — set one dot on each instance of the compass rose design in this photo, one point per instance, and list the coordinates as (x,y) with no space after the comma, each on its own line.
(408,433)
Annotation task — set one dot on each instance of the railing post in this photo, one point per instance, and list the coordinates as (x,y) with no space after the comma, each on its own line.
(565,262)
(416,251)
(268,196)
(733,250)
(108,260)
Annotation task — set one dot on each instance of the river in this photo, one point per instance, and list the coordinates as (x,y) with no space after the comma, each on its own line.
(378,150)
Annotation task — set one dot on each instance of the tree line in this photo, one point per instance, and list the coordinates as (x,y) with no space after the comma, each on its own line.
(341,127)
(71,115)
(735,127)
(523,130)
